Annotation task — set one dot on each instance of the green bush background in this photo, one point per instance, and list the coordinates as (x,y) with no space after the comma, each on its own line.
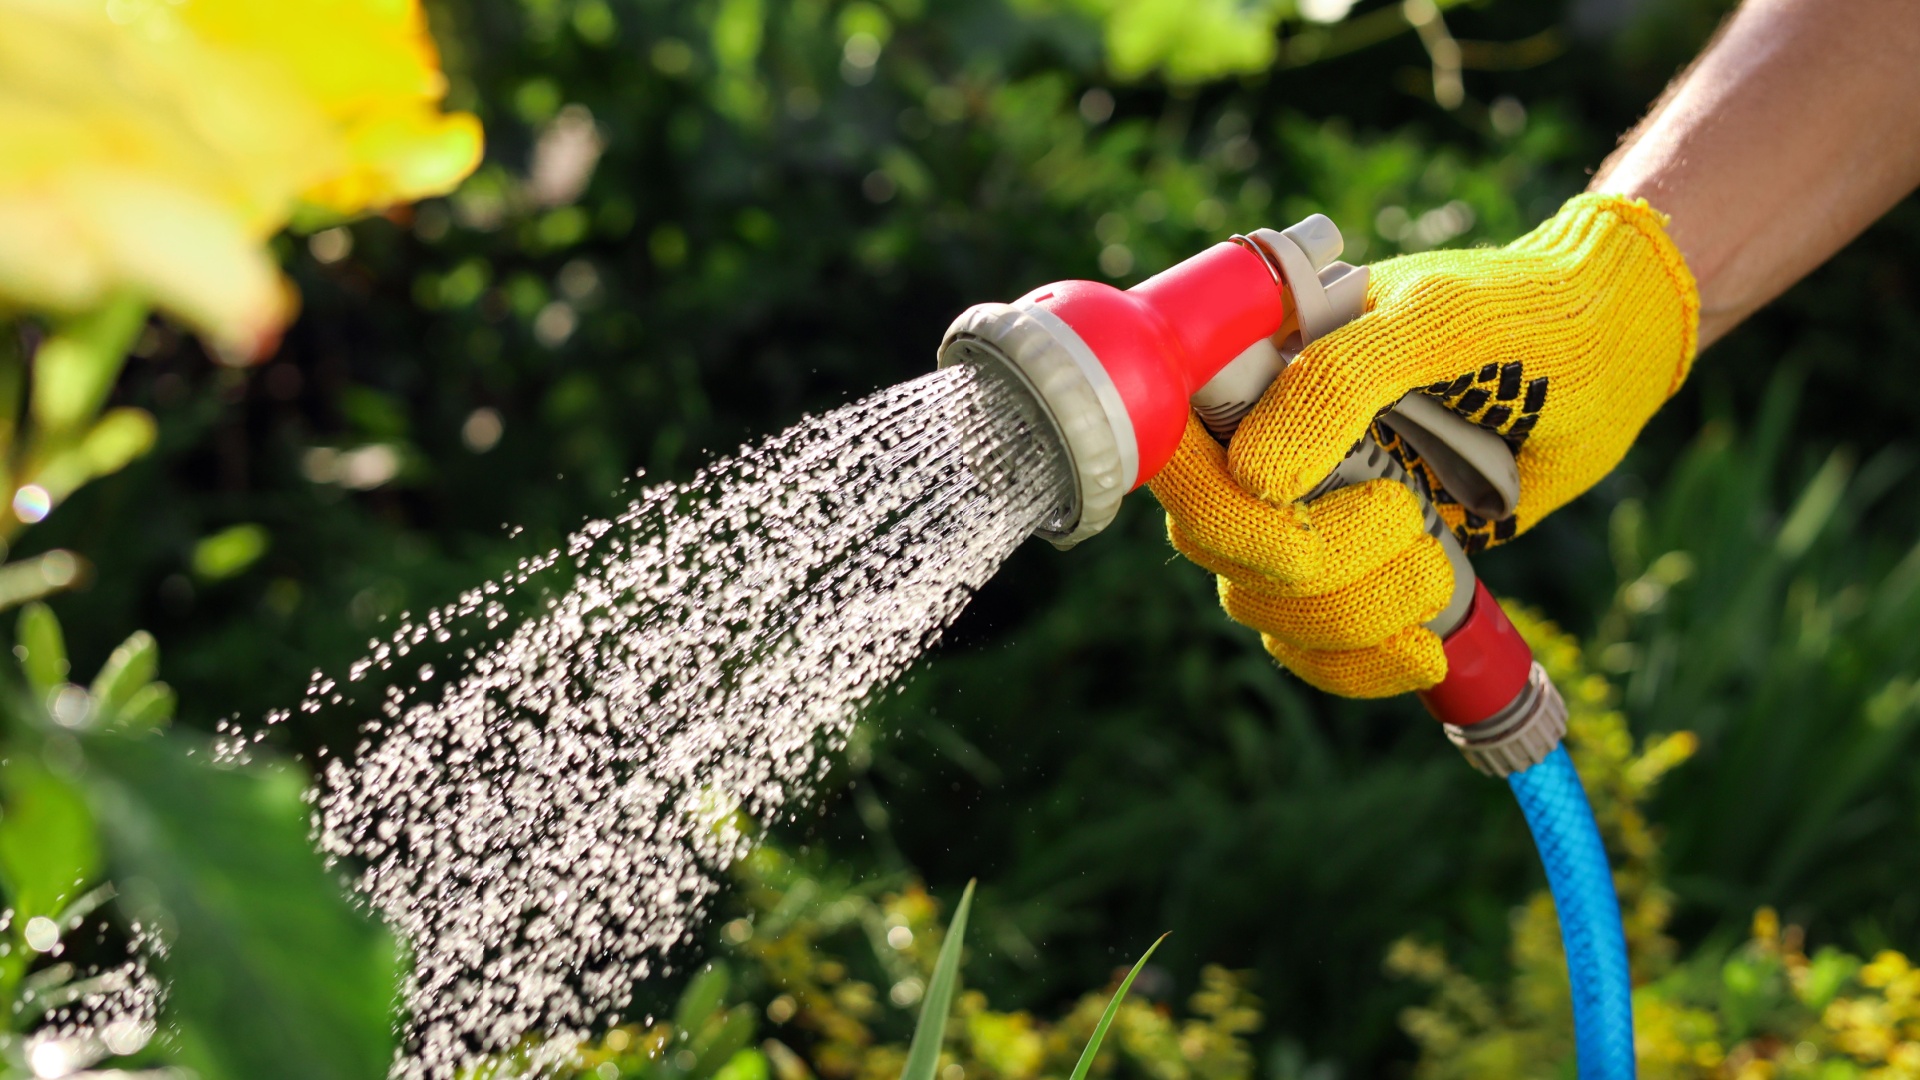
(774,228)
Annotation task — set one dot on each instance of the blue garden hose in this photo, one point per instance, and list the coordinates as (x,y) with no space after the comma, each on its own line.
(1563,829)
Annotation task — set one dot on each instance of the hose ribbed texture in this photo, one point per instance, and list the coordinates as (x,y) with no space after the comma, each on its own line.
(1563,829)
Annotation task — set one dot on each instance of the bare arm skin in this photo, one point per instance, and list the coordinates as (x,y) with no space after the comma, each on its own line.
(1797,128)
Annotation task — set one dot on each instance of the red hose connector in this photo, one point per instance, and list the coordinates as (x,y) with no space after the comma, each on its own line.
(1496,703)
(1164,338)
(1487,665)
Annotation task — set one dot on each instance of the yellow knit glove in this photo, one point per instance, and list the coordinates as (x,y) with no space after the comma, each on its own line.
(1338,587)
(1564,342)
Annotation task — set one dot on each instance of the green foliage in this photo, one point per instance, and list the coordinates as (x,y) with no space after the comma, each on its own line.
(126,682)
(1189,42)
(74,372)
(210,852)
(43,649)
(49,853)
(1787,637)
(63,436)
(224,863)
(229,552)
(1092,1052)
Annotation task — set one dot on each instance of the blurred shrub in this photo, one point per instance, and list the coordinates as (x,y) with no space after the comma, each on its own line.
(1758,609)
(826,976)
(162,903)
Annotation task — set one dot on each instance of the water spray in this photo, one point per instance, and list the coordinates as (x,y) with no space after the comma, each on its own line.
(1111,376)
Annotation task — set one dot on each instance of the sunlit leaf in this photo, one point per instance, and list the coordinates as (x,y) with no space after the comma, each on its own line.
(923,1054)
(1113,1009)
(744,1065)
(43,647)
(1189,41)
(48,847)
(117,439)
(38,577)
(721,1041)
(229,552)
(149,708)
(739,27)
(127,670)
(75,368)
(702,998)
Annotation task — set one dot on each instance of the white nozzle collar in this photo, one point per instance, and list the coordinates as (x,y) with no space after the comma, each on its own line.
(1075,392)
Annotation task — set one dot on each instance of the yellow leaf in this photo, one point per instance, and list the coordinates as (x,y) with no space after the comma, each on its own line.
(153,151)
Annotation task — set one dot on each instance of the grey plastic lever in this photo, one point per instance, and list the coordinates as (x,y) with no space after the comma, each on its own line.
(1475,465)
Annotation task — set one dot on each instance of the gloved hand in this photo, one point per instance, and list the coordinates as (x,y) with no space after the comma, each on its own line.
(1564,342)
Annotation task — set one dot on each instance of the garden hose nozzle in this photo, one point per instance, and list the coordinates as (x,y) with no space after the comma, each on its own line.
(1115,373)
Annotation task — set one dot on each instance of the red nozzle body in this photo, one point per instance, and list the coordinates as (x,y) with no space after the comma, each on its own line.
(1164,338)
(1487,665)
(1496,703)
(1115,376)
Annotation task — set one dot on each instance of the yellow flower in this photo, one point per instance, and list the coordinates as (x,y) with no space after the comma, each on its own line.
(371,67)
(152,147)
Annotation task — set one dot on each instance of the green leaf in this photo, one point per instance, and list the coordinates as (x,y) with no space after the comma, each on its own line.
(117,439)
(229,552)
(923,1055)
(376,416)
(1825,976)
(719,1043)
(703,997)
(49,850)
(1189,41)
(76,367)
(148,709)
(739,26)
(43,648)
(745,1065)
(1106,1018)
(1816,505)
(126,672)
(273,971)
(39,577)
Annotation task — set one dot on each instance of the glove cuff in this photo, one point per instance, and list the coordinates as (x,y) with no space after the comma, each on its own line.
(1584,214)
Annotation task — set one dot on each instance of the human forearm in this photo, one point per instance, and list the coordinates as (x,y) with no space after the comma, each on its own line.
(1786,139)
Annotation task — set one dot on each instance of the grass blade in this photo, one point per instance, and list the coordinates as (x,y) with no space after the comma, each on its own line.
(1106,1018)
(923,1054)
